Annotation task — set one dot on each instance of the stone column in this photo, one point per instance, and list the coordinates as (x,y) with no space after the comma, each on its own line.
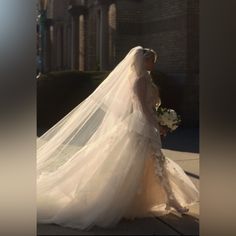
(47,47)
(75,38)
(76,11)
(98,38)
(72,42)
(104,43)
(81,42)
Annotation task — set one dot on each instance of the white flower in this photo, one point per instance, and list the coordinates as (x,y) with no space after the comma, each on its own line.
(168,117)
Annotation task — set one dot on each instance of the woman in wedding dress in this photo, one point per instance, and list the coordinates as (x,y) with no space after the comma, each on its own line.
(103,161)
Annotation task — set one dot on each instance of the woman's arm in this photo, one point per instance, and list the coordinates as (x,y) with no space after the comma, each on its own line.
(140,90)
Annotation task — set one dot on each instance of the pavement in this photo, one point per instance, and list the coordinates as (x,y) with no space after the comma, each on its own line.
(187,156)
(184,139)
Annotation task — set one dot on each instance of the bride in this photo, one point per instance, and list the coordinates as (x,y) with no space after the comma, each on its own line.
(103,161)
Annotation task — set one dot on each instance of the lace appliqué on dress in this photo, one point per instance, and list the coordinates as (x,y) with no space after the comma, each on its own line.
(161,173)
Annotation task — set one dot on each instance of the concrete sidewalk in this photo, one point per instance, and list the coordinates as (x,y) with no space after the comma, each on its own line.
(166,225)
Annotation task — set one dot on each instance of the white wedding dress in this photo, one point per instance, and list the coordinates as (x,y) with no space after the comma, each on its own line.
(103,161)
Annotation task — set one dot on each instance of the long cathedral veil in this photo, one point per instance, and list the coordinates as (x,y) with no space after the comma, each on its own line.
(90,164)
(110,107)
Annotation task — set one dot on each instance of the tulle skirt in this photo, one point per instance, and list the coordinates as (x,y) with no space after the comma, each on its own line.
(110,179)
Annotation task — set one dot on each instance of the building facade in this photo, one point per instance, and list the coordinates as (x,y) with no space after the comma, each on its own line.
(97,34)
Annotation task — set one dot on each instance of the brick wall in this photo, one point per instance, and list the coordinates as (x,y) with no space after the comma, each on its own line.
(171,28)
(191,102)
(168,26)
(129,17)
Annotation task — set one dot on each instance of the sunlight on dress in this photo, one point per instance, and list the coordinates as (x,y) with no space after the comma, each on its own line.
(103,161)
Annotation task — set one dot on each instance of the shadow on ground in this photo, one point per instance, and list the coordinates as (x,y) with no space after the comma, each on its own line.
(165,225)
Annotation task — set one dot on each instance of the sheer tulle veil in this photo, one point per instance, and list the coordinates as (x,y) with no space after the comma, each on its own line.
(110,107)
(91,163)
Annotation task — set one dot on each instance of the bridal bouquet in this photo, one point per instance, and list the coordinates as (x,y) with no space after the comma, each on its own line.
(168,118)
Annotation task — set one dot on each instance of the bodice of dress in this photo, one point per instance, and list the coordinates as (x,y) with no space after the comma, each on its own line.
(152,94)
